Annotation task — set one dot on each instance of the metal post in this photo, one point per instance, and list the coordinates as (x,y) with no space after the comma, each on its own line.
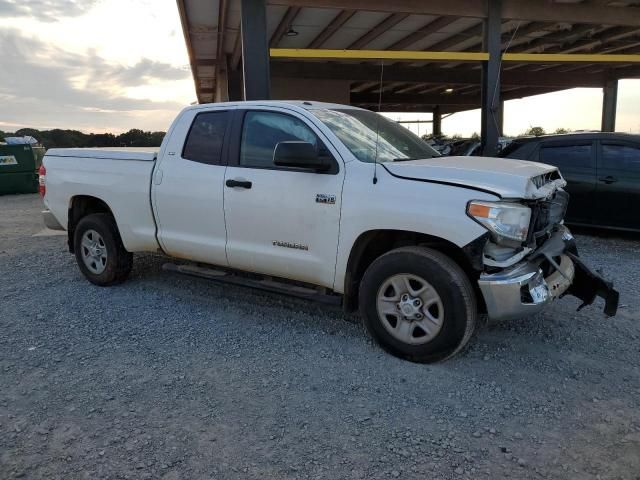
(490,129)
(222,81)
(236,90)
(609,104)
(437,121)
(501,119)
(255,50)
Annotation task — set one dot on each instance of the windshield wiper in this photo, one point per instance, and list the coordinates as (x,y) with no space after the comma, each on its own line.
(411,158)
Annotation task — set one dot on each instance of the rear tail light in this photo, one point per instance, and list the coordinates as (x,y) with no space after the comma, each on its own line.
(42,177)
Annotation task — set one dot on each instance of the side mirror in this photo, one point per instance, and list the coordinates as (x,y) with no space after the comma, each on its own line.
(297,154)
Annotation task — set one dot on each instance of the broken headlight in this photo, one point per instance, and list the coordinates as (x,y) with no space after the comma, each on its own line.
(506,221)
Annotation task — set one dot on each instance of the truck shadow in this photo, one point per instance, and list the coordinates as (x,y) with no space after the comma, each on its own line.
(603,233)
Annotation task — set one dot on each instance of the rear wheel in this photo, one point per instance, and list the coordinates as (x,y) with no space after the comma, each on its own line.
(418,304)
(99,251)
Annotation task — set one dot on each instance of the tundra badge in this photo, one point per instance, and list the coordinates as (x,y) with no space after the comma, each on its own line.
(297,246)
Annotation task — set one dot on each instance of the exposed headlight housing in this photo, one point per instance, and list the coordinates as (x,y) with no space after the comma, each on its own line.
(506,221)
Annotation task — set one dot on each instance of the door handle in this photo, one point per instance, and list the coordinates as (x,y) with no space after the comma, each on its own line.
(608,179)
(238,183)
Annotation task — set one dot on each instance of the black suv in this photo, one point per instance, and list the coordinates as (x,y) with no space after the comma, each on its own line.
(602,172)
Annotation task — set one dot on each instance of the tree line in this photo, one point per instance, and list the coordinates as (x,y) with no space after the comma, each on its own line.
(58,138)
(531,131)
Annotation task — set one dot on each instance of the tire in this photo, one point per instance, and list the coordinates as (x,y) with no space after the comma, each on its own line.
(108,263)
(445,317)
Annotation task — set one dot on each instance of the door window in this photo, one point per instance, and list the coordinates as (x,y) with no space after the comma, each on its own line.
(567,156)
(262,131)
(206,137)
(621,157)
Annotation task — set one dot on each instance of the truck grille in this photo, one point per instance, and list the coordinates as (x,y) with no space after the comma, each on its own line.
(547,214)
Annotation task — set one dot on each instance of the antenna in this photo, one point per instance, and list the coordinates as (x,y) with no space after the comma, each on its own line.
(375,158)
(492,105)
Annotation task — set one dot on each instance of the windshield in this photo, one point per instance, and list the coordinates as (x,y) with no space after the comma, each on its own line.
(359,130)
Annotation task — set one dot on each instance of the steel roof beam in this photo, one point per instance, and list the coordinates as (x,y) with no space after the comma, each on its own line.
(601,39)
(385,25)
(370,73)
(428,29)
(284,25)
(458,38)
(338,21)
(527,10)
(440,99)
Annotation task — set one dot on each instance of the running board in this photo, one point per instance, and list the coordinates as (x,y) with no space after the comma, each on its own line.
(268,284)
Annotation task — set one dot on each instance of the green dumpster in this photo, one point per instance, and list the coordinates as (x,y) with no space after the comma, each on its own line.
(18,172)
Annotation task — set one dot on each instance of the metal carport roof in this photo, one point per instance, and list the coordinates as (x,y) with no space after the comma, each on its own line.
(436,51)
(212,33)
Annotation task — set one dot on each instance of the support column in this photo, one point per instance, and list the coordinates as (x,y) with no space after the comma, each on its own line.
(255,50)
(490,129)
(236,85)
(437,121)
(501,119)
(609,104)
(222,81)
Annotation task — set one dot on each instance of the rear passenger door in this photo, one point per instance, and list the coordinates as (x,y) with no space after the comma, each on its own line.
(187,187)
(576,161)
(618,188)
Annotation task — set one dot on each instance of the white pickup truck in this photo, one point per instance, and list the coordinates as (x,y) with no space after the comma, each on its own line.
(329,201)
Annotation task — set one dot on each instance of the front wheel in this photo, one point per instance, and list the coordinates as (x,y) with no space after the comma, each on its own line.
(418,304)
(99,251)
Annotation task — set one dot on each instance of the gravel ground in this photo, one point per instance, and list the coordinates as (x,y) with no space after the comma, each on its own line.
(178,378)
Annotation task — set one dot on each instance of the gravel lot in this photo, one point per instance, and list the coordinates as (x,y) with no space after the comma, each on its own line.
(178,378)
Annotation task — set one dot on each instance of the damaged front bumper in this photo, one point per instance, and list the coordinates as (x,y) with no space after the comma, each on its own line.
(523,289)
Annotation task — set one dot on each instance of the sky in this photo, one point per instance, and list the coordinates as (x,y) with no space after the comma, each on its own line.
(112,65)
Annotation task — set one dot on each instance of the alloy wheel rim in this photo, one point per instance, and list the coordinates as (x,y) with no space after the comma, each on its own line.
(93,252)
(410,309)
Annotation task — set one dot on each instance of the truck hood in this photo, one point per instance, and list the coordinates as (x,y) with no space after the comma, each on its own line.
(505,177)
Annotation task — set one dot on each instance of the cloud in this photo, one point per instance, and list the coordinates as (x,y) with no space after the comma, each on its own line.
(41,82)
(45,10)
(139,74)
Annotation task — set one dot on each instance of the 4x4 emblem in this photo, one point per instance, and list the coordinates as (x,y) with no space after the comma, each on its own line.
(326,198)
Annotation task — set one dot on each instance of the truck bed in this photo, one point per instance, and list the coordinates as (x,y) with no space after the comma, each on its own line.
(120,177)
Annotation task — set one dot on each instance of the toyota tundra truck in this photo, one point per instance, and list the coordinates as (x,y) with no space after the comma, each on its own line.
(331,202)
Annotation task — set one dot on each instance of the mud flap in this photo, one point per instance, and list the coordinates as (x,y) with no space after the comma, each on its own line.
(588,285)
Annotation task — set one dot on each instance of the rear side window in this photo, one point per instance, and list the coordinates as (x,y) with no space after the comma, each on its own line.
(206,137)
(567,156)
(519,150)
(622,157)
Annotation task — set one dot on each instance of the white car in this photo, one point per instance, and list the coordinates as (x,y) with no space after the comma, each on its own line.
(329,200)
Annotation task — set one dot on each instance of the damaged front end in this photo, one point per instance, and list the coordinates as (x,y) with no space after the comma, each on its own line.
(521,278)
(551,271)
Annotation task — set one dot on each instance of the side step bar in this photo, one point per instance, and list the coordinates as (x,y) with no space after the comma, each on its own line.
(261,283)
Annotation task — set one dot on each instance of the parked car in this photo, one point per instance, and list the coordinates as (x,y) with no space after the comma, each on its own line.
(473,148)
(602,172)
(331,201)
(464,148)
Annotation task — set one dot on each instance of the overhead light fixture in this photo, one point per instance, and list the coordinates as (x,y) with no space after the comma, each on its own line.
(448,90)
(291,32)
